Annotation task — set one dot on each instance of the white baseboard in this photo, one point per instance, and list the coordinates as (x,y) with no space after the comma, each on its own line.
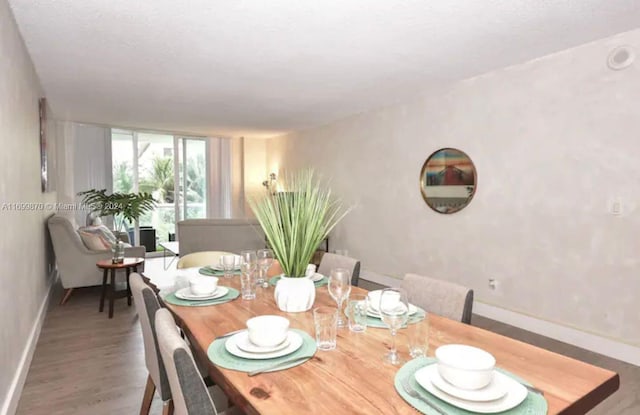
(593,342)
(12,398)
(599,344)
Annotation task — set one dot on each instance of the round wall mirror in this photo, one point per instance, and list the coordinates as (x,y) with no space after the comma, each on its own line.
(448,180)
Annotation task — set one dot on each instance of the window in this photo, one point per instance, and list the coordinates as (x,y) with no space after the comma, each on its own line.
(172,168)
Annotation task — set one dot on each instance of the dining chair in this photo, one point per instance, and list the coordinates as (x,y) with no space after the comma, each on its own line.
(201,259)
(190,394)
(330,261)
(440,297)
(147,305)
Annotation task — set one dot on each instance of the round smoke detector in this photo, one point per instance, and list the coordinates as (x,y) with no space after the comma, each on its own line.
(621,57)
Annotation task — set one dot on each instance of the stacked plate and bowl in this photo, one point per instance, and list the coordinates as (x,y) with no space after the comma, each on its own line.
(266,337)
(465,377)
(202,289)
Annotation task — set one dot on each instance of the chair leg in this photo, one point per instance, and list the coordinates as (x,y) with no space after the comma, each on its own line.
(167,407)
(149,390)
(66,296)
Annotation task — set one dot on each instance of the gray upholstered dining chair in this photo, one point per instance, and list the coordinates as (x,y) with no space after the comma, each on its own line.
(330,261)
(440,297)
(147,305)
(190,394)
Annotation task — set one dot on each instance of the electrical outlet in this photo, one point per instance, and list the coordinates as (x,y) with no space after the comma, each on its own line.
(494,286)
(615,206)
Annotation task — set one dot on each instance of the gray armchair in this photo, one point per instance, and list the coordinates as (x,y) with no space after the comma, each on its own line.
(76,263)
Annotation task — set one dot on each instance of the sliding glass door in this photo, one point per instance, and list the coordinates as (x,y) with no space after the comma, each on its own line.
(193,178)
(172,168)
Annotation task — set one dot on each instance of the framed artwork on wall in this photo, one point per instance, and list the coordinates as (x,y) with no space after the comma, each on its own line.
(448,180)
(42,108)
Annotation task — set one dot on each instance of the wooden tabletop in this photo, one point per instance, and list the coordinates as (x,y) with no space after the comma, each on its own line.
(353,378)
(128,262)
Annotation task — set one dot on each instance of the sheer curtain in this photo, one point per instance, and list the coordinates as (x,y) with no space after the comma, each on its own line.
(226,184)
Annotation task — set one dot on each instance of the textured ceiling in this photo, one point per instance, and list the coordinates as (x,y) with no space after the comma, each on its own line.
(258,68)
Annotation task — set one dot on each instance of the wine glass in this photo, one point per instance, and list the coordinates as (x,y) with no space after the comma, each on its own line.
(339,289)
(394,313)
(265,259)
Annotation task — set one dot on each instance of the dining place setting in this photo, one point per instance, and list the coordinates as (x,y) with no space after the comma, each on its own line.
(463,379)
(268,343)
(201,291)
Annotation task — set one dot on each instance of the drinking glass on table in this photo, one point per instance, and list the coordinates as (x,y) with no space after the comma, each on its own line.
(265,260)
(394,313)
(325,320)
(339,289)
(357,306)
(248,262)
(228,265)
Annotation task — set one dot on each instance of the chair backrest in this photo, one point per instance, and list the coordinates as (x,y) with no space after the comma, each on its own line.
(147,305)
(190,395)
(201,259)
(440,297)
(66,241)
(330,261)
(232,235)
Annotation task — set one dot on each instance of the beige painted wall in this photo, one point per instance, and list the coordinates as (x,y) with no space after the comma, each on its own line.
(24,243)
(553,140)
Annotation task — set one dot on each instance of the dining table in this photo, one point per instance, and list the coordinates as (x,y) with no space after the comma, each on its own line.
(354,379)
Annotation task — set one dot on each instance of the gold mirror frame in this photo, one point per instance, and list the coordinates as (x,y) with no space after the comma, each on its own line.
(448,180)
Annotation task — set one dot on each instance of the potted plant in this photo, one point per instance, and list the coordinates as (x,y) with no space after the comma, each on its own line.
(295,222)
(124,207)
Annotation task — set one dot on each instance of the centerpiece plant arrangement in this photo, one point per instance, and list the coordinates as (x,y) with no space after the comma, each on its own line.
(295,221)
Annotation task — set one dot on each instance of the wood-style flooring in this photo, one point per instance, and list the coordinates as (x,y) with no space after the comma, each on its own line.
(85,363)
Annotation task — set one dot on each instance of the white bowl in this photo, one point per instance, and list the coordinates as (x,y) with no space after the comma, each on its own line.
(203,285)
(465,367)
(267,331)
(374,299)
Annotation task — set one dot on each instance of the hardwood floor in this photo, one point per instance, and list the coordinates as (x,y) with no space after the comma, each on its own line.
(85,363)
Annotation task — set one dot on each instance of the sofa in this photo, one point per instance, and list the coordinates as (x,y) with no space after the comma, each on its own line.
(76,263)
(230,235)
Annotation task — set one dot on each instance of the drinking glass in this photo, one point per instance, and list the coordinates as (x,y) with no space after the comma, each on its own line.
(248,262)
(418,338)
(248,286)
(265,260)
(339,289)
(326,324)
(357,312)
(228,265)
(394,313)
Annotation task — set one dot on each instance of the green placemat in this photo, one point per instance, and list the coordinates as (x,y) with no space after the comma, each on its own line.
(324,281)
(231,295)
(534,404)
(377,323)
(211,272)
(219,356)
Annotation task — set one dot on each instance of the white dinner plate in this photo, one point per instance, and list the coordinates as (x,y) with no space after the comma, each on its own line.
(516,393)
(317,277)
(186,294)
(244,344)
(219,267)
(494,390)
(295,342)
(374,313)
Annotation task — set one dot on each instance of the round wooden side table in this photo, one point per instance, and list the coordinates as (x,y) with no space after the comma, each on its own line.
(107,265)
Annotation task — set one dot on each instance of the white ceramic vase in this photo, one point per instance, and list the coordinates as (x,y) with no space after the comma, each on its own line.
(294,295)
